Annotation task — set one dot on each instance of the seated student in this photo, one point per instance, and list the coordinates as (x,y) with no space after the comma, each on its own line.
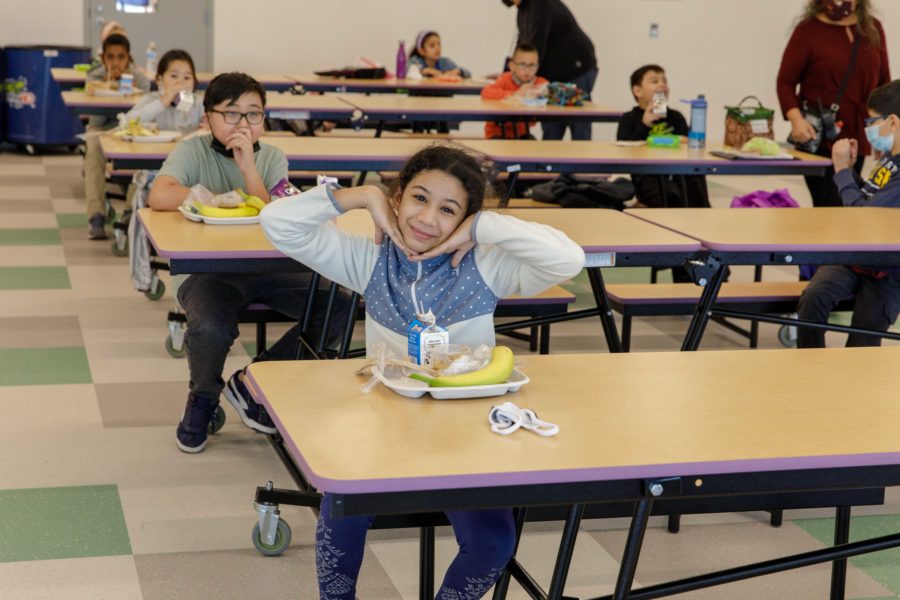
(426,57)
(636,124)
(174,74)
(167,110)
(877,289)
(116,61)
(520,81)
(231,157)
(433,249)
(109,28)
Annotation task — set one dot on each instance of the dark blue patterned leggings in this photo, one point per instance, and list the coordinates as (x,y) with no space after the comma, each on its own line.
(486,539)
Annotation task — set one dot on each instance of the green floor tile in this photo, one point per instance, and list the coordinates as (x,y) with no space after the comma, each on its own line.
(43,366)
(71,220)
(34,278)
(29,237)
(249,348)
(884,566)
(66,522)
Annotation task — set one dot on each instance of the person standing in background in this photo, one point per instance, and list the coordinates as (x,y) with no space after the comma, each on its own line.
(567,54)
(816,59)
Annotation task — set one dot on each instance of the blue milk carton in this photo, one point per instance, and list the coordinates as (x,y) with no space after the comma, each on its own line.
(424,337)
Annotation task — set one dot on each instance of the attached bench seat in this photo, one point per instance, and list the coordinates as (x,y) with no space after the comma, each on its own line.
(658,299)
(552,301)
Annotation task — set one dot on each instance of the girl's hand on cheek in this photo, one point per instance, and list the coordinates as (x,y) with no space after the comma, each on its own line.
(385,220)
(459,243)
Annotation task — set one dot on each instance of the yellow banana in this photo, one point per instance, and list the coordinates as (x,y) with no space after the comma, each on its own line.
(219,212)
(254,201)
(496,371)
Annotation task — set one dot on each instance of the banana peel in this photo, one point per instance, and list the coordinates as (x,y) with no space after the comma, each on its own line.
(496,371)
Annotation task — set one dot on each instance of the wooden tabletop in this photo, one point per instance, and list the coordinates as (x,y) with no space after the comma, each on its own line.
(793,229)
(294,147)
(80,99)
(607,231)
(613,425)
(462,107)
(174,236)
(269,81)
(312,81)
(601,150)
(330,104)
(597,231)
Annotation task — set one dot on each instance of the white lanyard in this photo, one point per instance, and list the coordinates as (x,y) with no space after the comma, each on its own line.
(507,418)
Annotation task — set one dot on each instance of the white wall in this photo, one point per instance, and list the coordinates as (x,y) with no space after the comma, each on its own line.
(724,48)
(56,22)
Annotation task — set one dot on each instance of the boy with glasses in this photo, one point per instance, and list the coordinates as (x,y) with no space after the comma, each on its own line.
(520,82)
(876,289)
(230,158)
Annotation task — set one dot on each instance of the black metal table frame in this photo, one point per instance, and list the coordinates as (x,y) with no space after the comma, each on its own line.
(642,493)
(710,267)
(840,487)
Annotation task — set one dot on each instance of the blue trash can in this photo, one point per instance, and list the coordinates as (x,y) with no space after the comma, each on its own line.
(34,110)
(2,98)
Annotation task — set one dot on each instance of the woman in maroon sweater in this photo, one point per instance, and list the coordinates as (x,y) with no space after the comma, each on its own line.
(816,59)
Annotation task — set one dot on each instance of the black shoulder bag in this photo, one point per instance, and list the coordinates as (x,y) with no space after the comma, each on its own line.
(822,118)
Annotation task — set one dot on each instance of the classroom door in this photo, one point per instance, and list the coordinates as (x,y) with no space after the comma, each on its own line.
(185,24)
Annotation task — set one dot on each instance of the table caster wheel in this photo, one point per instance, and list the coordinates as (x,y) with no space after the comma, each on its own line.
(279,545)
(787,336)
(157,289)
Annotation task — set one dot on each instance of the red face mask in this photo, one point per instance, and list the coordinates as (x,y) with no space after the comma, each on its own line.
(837,10)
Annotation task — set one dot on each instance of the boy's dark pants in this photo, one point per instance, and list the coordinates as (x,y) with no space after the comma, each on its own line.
(876,307)
(213,304)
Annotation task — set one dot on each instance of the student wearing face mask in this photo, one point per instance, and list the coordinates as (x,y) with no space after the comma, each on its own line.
(231,157)
(877,289)
(836,55)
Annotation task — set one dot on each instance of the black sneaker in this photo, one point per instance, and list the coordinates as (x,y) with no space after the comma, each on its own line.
(252,414)
(97,227)
(194,426)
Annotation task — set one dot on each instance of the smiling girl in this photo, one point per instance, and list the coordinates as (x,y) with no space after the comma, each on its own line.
(434,251)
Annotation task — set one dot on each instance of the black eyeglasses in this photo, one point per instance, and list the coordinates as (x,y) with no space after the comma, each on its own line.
(233,117)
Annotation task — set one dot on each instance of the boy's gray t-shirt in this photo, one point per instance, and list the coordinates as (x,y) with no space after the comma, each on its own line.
(193,161)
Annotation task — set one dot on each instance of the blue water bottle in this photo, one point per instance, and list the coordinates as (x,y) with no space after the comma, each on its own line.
(401,61)
(697,133)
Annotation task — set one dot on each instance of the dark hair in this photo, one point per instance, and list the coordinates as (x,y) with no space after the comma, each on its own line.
(117,39)
(637,78)
(230,87)
(415,48)
(453,162)
(885,100)
(524,47)
(170,57)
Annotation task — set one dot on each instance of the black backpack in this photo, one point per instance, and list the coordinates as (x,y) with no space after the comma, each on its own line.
(571,192)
